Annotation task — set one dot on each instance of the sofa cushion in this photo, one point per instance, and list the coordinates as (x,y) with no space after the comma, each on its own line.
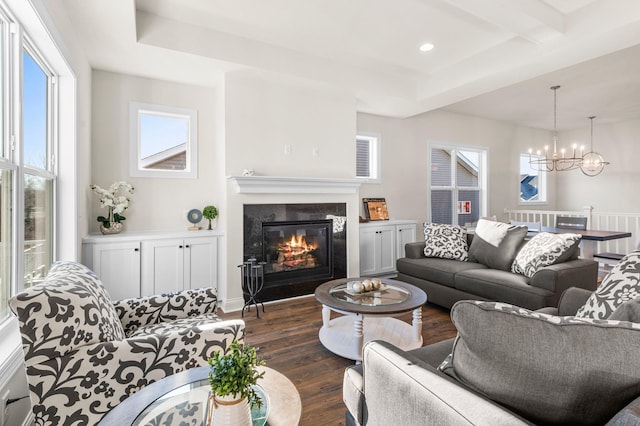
(445,241)
(441,271)
(620,285)
(70,308)
(498,256)
(503,286)
(544,249)
(551,370)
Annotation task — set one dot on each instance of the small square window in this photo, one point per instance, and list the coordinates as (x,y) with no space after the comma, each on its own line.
(367,157)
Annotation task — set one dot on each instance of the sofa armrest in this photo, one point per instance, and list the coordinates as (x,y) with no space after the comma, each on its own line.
(141,311)
(628,416)
(571,300)
(582,273)
(81,387)
(414,250)
(394,381)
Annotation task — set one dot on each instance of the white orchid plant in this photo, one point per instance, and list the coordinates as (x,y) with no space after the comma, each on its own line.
(116,199)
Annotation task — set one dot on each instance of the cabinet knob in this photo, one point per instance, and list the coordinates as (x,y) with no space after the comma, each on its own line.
(136,249)
(180,246)
(187,246)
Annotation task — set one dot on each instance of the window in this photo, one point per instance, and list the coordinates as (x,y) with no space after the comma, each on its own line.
(533,183)
(457,184)
(164,141)
(37,110)
(367,157)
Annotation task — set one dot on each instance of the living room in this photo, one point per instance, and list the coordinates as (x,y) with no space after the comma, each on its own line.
(285,113)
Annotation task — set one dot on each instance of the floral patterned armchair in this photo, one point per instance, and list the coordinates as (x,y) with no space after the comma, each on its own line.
(84,354)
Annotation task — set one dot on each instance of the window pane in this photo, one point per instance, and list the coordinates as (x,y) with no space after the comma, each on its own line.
(363,158)
(468,207)
(467,168)
(6,239)
(163,142)
(532,186)
(440,167)
(34,113)
(38,241)
(441,206)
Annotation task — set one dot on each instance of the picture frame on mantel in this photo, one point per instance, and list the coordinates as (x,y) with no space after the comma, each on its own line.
(375,208)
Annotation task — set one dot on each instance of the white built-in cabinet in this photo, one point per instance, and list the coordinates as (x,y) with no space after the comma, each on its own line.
(381,243)
(145,263)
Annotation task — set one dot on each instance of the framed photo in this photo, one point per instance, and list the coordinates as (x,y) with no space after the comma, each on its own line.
(376,208)
(464,207)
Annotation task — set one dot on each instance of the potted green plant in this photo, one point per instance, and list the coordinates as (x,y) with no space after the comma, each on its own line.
(232,378)
(210,213)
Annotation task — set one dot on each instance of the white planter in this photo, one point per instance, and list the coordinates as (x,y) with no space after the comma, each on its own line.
(228,411)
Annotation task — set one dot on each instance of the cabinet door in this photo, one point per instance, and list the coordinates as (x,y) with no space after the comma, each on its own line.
(387,255)
(200,259)
(118,267)
(162,266)
(406,234)
(368,251)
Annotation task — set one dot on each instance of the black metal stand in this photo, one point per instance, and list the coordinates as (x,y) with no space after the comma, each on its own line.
(252,283)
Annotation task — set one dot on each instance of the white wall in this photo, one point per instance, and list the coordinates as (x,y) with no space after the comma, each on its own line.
(157,204)
(261,116)
(615,189)
(404,158)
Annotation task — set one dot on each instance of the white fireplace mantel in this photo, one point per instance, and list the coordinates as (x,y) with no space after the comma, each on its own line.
(294,185)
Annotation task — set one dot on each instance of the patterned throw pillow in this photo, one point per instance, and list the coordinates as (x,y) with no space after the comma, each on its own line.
(543,249)
(621,285)
(445,241)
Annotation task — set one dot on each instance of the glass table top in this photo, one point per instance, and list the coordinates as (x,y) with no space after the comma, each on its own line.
(188,405)
(387,294)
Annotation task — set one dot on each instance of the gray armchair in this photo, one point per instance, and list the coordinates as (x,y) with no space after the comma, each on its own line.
(85,354)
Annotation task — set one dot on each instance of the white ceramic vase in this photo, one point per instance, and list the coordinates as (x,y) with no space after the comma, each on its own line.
(228,411)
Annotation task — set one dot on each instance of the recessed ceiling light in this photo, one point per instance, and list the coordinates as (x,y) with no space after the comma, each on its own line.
(426,47)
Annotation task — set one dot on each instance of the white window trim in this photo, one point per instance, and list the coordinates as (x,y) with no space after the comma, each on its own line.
(135,168)
(374,157)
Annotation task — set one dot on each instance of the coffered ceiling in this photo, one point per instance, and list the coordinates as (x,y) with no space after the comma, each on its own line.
(492,58)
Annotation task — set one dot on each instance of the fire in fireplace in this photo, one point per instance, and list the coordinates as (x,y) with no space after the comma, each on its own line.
(297,249)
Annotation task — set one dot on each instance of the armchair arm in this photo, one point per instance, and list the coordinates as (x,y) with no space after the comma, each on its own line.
(141,311)
(394,380)
(414,250)
(571,300)
(81,387)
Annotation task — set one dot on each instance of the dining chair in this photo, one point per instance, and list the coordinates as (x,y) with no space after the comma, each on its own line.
(532,226)
(578,223)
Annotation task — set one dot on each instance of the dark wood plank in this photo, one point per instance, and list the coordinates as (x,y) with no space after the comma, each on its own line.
(287,335)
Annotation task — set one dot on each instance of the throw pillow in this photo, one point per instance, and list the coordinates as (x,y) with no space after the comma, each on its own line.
(445,241)
(548,369)
(543,249)
(628,311)
(620,285)
(496,256)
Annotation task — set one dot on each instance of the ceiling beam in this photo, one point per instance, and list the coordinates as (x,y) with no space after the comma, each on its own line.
(532,20)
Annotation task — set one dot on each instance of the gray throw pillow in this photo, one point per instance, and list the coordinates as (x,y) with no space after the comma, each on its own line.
(501,256)
(628,311)
(620,285)
(548,369)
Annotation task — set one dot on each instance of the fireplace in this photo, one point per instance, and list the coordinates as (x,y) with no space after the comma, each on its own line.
(297,250)
(299,245)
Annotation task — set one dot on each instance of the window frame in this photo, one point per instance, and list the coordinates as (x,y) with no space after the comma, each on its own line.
(483,174)
(543,182)
(374,156)
(136,109)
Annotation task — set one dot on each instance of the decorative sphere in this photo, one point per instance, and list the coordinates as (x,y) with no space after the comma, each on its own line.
(592,163)
(358,287)
(367,285)
(376,283)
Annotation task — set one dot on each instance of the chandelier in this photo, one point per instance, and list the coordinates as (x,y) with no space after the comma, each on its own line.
(555,161)
(591,163)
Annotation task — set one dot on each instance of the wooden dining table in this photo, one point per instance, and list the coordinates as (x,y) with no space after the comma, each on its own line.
(590,238)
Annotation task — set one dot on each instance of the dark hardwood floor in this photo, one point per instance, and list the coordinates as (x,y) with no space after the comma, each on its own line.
(287,335)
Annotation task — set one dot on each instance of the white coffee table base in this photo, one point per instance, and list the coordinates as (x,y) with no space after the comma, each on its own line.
(345,335)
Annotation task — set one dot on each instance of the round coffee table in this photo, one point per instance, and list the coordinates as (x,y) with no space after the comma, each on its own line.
(368,316)
(184,396)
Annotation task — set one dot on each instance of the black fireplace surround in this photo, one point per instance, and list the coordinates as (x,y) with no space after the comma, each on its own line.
(299,245)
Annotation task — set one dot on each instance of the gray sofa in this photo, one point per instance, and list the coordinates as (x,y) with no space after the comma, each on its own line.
(447,281)
(552,370)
